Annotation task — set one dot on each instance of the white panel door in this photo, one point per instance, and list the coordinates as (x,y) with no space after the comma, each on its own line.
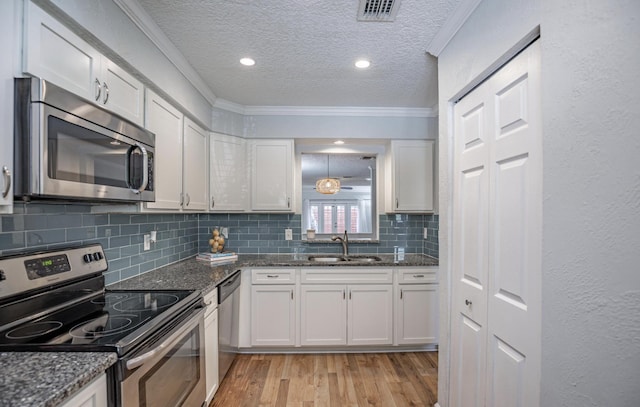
(513,364)
(470,257)
(165,121)
(497,235)
(194,167)
(273,315)
(370,315)
(228,177)
(323,315)
(122,93)
(272,175)
(417,314)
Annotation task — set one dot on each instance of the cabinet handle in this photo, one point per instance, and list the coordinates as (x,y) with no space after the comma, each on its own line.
(272,276)
(288,202)
(344,294)
(213,202)
(467,303)
(349,294)
(181,198)
(106,93)
(401,293)
(98,89)
(418,276)
(292,294)
(7,181)
(397,203)
(188,200)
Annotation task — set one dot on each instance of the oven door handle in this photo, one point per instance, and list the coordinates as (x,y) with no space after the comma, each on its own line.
(175,335)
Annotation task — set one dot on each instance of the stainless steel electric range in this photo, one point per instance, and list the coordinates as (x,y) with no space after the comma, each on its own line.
(56,301)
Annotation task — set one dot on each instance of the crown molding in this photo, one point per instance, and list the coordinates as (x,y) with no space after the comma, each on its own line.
(230,106)
(451,26)
(339,111)
(149,28)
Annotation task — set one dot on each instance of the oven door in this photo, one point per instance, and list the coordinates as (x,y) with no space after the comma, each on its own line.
(171,371)
(86,161)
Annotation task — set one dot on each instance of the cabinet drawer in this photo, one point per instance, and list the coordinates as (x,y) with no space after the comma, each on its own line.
(347,275)
(270,276)
(418,276)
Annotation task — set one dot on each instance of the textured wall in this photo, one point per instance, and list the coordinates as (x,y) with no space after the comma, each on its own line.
(591,241)
(591,96)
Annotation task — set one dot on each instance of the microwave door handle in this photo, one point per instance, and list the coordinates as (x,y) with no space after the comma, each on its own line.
(145,167)
(177,334)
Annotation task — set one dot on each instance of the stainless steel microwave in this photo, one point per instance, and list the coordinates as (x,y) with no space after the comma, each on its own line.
(65,147)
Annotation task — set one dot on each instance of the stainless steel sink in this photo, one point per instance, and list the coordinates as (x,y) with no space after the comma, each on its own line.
(328,258)
(364,259)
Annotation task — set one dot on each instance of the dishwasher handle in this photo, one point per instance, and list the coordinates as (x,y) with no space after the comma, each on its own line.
(228,286)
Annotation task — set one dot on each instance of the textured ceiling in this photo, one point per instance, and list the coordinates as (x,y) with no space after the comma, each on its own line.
(305,50)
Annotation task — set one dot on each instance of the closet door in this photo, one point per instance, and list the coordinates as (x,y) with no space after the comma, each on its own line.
(497,239)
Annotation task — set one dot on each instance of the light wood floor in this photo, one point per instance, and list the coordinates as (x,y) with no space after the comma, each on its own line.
(337,380)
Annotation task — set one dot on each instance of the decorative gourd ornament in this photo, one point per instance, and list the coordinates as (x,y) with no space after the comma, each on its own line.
(216,242)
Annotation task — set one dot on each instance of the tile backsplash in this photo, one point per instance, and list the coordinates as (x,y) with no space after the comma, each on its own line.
(36,226)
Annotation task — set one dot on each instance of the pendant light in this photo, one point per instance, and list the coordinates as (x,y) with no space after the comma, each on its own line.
(328,186)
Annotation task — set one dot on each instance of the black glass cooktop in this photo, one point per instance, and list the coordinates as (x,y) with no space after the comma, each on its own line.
(112,320)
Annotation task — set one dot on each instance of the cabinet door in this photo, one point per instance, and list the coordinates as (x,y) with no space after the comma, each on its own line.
(8,48)
(92,395)
(121,93)
(412,175)
(273,315)
(323,315)
(228,173)
(272,175)
(211,352)
(370,315)
(54,53)
(417,314)
(166,122)
(194,167)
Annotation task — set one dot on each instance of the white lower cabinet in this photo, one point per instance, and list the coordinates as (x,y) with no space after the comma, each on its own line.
(211,344)
(416,307)
(346,315)
(92,395)
(273,308)
(323,315)
(359,312)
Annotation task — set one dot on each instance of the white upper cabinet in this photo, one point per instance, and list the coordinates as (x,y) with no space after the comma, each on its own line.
(55,53)
(410,176)
(271,175)
(194,166)
(228,173)
(166,122)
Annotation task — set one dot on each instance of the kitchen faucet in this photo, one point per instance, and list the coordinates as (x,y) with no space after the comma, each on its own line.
(345,243)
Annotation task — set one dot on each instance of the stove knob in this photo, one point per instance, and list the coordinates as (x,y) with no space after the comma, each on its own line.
(87,258)
(2,276)
(97,256)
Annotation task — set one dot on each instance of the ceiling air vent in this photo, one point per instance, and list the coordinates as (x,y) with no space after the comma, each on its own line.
(378,10)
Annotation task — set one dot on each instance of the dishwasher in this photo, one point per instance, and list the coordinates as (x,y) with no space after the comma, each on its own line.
(228,322)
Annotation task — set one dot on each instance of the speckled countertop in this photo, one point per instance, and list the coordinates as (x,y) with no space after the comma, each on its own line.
(47,379)
(194,274)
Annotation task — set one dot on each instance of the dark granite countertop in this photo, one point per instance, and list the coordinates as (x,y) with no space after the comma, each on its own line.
(193,274)
(47,379)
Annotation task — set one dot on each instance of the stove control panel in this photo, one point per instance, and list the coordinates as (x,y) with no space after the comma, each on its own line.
(22,273)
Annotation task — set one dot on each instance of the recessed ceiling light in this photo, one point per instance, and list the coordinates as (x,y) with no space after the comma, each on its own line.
(338,142)
(247,62)
(362,63)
